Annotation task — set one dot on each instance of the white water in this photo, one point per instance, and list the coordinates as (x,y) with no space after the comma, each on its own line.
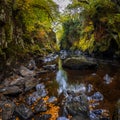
(62,80)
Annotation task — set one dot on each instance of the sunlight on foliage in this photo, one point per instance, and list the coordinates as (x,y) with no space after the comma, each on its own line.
(99,23)
(21,20)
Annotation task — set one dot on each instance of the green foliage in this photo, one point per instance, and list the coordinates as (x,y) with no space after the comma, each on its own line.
(71,34)
(36,13)
(99,23)
(22,21)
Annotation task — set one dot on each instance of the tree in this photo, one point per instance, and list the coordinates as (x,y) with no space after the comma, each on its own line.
(98,26)
(21,20)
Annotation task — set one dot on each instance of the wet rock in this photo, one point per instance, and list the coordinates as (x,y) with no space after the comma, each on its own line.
(81,88)
(2,88)
(99,114)
(89,88)
(52,99)
(76,104)
(31,65)
(43,117)
(40,107)
(18,81)
(79,63)
(32,98)
(7,110)
(38,94)
(50,67)
(31,83)
(14,80)
(41,90)
(78,53)
(63,54)
(40,86)
(107,79)
(24,112)
(63,111)
(93,74)
(12,90)
(80,118)
(24,71)
(97,96)
(42,72)
(77,109)
(51,57)
(62,118)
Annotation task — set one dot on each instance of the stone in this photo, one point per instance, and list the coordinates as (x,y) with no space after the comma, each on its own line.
(52,99)
(97,96)
(50,67)
(31,65)
(40,107)
(23,112)
(80,118)
(31,83)
(12,90)
(24,71)
(33,98)
(51,57)
(99,114)
(41,90)
(76,104)
(43,117)
(79,63)
(14,80)
(62,118)
(17,81)
(7,110)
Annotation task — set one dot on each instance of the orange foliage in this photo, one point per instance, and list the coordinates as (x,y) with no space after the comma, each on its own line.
(53,110)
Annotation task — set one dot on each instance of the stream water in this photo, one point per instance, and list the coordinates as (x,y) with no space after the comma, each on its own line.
(101,87)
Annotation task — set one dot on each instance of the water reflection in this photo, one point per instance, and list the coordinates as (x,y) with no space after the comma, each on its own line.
(61,78)
(64,86)
(93,96)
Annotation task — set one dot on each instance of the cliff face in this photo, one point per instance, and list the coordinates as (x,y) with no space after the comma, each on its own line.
(10,30)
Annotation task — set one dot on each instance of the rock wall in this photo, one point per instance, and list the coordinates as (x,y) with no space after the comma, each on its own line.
(11,29)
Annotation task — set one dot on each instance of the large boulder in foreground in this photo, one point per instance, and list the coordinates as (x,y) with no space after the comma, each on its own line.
(79,63)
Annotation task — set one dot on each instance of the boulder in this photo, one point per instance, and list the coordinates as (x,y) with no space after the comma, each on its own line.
(23,112)
(75,104)
(24,71)
(12,90)
(7,110)
(79,63)
(31,83)
(40,107)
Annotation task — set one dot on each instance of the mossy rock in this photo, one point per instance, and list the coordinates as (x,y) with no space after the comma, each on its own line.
(79,63)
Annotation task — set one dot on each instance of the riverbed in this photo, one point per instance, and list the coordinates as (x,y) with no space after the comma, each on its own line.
(50,92)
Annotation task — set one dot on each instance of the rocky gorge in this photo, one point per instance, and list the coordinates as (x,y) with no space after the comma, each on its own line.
(70,88)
